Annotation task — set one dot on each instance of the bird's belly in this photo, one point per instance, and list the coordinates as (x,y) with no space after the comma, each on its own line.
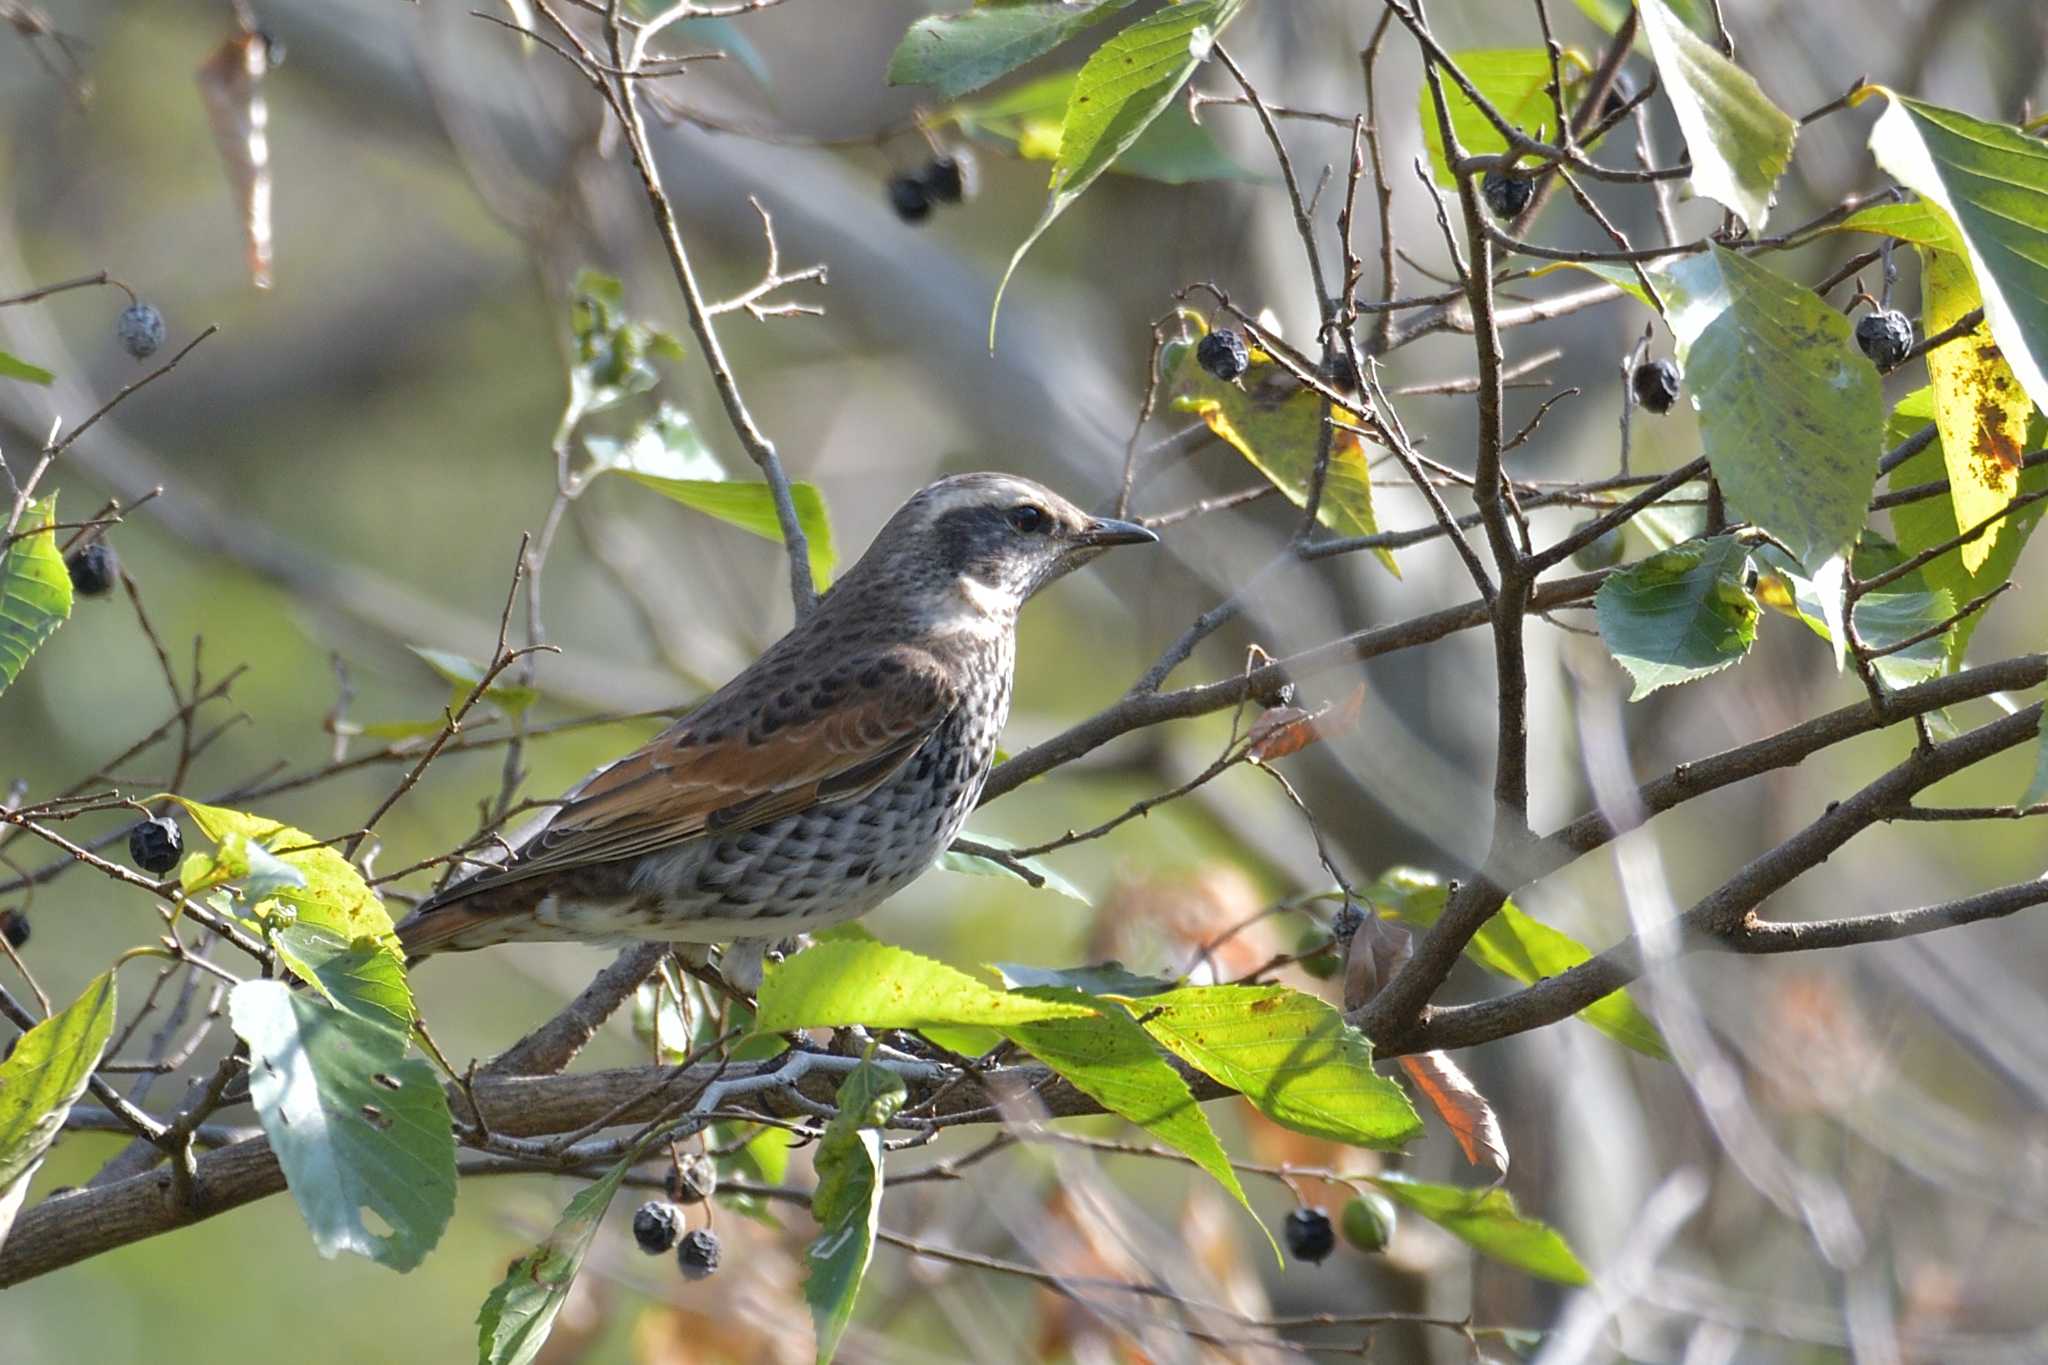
(801,873)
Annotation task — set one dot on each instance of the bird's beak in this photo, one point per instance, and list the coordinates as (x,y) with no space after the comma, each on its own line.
(1104,532)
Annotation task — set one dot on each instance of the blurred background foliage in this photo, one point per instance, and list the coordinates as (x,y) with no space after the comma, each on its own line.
(348,465)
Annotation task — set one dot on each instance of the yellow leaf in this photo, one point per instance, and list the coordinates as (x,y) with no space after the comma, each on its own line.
(1273,420)
(1979,407)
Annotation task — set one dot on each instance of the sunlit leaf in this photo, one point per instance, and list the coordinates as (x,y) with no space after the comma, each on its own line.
(1740,142)
(41,1079)
(613,350)
(1519,947)
(14,367)
(956,53)
(1488,1221)
(1100,978)
(1459,1104)
(1926,522)
(1885,617)
(1679,615)
(1992,180)
(1124,86)
(363,977)
(35,588)
(463,674)
(334,896)
(1514,81)
(361,1131)
(750,506)
(1273,421)
(847,1202)
(844,982)
(1979,407)
(1173,150)
(1292,1055)
(517,1316)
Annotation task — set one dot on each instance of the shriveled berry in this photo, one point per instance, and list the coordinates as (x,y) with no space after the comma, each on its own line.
(1309,1235)
(1620,91)
(1368,1222)
(697,1254)
(910,197)
(1656,385)
(949,178)
(155,843)
(1506,195)
(94,569)
(1604,551)
(693,1180)
(1885,336)
(14,927)
(1223,354)
(141,329)
(655,1226)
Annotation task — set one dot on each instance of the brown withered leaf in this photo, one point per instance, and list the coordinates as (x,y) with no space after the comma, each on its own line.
(1378,949)
(1464,1110)
(230,82)
(1283,730)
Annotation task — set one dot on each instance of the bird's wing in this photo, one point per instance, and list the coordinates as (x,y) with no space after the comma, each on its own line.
(744,759)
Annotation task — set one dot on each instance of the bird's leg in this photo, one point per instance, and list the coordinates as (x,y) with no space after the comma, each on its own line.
(740,964)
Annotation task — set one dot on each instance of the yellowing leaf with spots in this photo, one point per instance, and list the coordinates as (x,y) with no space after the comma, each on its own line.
(1273,420)
(1979,407)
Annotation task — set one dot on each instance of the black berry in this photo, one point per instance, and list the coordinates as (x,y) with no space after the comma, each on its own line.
(910,197)
(14,927)
(94,569)
(1309,1235)
(1885,336)
(1368,1222)
(1223,354)
(655,1226)
(949,178)
(693,1180)
(1506,195)
(141,329)
(697,1254)
(154,844)
(1338,372)
(1604,551)
(1656,385)
(1620,91)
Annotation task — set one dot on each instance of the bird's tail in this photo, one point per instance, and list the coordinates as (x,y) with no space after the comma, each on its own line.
(452,928)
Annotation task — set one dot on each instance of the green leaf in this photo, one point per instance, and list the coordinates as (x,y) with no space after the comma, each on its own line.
(1740,142)
(1608,14)
(1885,617)
(1488,1221)
(14,367)
(1109,1058)
(464,674)
(956,53)
(35,588)
(39,1082)
(1520,948)
(1274,422)
(363,977)
(847,1202)
(360,1130)
(1174,150)
(751,507)
(1918,222)
(1992,180)
(334,896)
(1514,81)
(518,1314)
(612,350)
(666,445)
(843,982)
(1680,614)
(1790,415)
(1290,1054)
(976,865)
(1101,978)
(1126,84)
(1928,522)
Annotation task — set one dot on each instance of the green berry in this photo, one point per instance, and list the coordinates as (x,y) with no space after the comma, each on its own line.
(1602,552)
(1317,955)
(1368,1222)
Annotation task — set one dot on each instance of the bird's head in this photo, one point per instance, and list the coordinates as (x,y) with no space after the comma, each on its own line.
(992,540)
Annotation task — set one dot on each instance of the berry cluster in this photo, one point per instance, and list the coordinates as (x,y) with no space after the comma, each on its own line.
(1367,1222)
(947,178)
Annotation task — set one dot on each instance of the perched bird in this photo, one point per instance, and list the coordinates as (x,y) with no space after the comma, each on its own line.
(823,779)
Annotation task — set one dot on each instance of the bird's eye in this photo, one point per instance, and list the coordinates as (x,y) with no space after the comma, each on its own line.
(1028,518)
